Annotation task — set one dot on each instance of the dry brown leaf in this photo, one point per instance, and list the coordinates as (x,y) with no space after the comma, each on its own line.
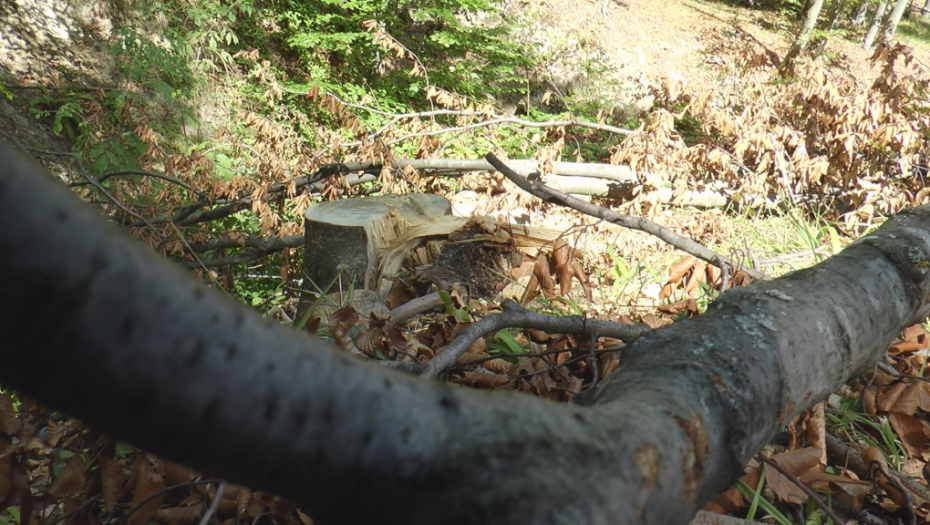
(905,346)
(874,457)
(524,366)
(540,336)
(545,386)
(563,255)
(395,336)
(583,279)
(498,366)
(179,515)
(369,341)
(8,421)
(913,333)
(71,480)
(795,462)
(923,398)
(654,322)
(6,471)
(726,502)
(312,325)
(853,487)
(888,398)
(340,323)
(304,519)
(148,482)
(713,275)
(678,270)
(698,276)
(816,431)
(909,400)
(55,433)
(667,290)
(111,481)
(176,473)
(227,508)
(243,499)
(543,275)
(482,380)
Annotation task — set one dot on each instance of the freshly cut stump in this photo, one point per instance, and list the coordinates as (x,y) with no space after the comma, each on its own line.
(345,238)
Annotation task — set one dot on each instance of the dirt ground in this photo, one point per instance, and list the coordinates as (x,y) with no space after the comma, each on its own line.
(648,42)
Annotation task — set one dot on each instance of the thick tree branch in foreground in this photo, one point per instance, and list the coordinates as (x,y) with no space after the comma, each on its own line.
(627,221)
(98,326)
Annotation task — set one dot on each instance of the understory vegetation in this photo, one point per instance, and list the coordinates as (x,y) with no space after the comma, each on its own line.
(215,129)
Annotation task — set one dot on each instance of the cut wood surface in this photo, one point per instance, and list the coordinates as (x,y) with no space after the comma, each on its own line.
(97,325)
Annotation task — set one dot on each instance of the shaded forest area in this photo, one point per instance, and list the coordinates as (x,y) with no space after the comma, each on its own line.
(762,139)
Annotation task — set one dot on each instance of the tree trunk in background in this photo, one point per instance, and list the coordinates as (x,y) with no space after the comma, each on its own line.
(925,11)
(803,9)
(835,11)
(876,25)
(94,323)
(804,36)
(899,8)
(862,13)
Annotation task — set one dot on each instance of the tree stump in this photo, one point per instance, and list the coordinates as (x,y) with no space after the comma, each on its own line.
(344,238)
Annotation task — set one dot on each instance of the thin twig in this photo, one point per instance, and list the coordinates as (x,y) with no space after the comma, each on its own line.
(515,316)
(94,182)
(804,488)
(214,504)
(164,491)
(75,511)
(611,350)
(416,307)
(517,122)
(635,223)
(141,173)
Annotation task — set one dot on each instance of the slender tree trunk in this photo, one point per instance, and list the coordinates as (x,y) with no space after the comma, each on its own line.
(877,20)
(862,13)
(803,10)
(835,11)
(97,325)
(804,36)
(896,14)
(925,10)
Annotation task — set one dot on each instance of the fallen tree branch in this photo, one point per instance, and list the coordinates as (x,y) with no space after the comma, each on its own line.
(635,223)
(262,247)
(249,241)
(516,122)
(397,117)
(95,183)
(515,316)
(140,173)
(416,306)
(128,343)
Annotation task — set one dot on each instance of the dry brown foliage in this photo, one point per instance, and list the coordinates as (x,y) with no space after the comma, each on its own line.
(820,137)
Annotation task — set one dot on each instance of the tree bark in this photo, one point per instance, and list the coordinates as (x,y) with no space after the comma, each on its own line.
(860,16)
(804,36)
(895,18)
(876,25)
(97,325)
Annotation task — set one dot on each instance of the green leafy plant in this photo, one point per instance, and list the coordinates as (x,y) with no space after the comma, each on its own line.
(405,48)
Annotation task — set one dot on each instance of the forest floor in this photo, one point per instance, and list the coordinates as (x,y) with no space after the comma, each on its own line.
(645,44)
(626,59)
